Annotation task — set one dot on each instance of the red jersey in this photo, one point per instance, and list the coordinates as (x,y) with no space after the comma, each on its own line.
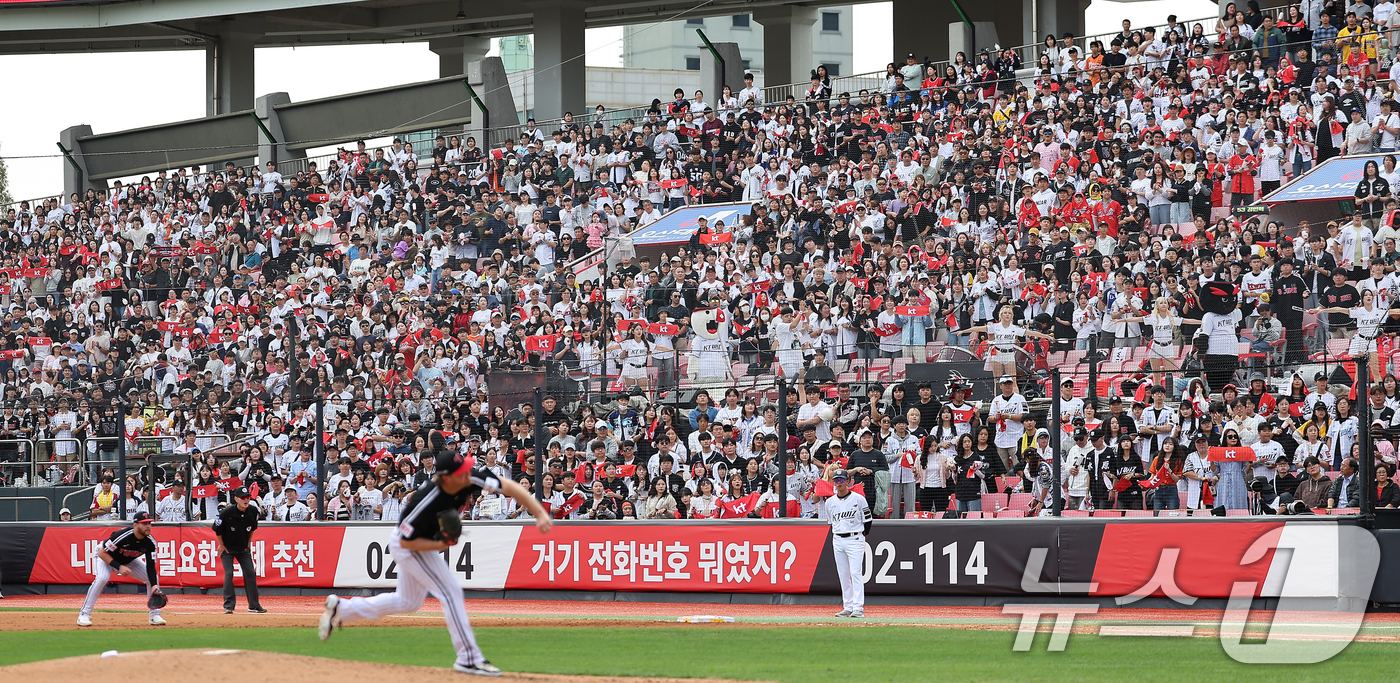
(1106,214)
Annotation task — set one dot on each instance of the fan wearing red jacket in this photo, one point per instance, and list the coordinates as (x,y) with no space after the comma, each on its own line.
(1077,213)
(1216,172)
(1242,168)
(1027,212)
(1106,213)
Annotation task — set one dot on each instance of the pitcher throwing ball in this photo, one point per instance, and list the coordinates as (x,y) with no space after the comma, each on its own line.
(850,519)
(431,522)
(120,553)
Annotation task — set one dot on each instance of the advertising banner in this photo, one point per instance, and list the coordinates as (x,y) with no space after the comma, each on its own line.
(1335,179)
(677,226)
(1005,557)
(186,555)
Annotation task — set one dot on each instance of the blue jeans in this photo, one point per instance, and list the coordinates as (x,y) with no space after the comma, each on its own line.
(974,505)
(1259,347)
(1179,385)
(1081,344)
(1301,167)
(1181,212)
(1160,214)
(436,275)
(1168,497)
(955,339)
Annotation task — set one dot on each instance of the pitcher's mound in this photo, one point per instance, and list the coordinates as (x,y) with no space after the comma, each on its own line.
(232,666)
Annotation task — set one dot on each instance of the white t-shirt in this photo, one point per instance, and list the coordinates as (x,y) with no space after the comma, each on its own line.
(1008,433)
(1004,337)
(807,411)
(1221,331)
(1163,328)
(1368,323)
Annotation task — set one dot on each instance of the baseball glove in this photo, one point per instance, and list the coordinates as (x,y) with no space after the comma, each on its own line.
(449,526)
(156,599)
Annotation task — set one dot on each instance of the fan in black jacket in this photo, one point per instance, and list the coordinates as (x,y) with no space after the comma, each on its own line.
(1125,465)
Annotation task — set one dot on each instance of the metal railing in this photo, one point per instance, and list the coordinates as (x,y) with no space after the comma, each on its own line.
(25,462)
(1030,53)
(34,462)
(48,504)
(87,510)
(854,83)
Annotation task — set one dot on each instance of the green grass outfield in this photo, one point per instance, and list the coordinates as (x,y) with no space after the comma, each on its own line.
(795,655)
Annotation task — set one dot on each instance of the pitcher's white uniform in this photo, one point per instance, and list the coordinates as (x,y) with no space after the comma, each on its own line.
(848,517)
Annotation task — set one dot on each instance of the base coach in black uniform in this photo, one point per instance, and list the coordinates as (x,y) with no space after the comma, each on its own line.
(233,531)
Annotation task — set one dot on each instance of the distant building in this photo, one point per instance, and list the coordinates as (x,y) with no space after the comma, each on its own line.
(517,53)
(673,45)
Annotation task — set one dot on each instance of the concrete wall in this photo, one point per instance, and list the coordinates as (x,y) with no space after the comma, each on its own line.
(668,45)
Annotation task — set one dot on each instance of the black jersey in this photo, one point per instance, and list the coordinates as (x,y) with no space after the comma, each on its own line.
(235,527)
(124,546)
(419,518)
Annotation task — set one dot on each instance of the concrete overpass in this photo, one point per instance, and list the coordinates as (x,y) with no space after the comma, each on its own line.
(459,31)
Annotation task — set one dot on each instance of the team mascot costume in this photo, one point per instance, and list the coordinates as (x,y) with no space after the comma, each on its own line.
(1220,301)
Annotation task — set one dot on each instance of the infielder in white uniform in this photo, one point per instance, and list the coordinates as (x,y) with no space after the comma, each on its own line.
(850,519)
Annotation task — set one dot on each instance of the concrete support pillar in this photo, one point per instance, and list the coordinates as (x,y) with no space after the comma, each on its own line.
(713,78)
(274,150)
(1053,17)
(560,78)
(454,54)
(991,22)
(75,176)
(488,78)
(787,43)
(228,70)
(969,40)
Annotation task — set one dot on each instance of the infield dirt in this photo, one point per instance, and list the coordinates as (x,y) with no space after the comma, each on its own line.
(232,666)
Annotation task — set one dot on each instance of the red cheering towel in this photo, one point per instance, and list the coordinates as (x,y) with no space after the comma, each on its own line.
(573,503)
(713,238)
(770,510)
(208,491)
(824,488)
(539,343)
(911,310)
(1162,477)
(738,508)
(663,328)
(1122,484)
(907,459)
(1236,454)
(673,183)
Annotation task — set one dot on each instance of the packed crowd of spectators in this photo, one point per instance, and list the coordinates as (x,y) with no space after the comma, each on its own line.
(959,206)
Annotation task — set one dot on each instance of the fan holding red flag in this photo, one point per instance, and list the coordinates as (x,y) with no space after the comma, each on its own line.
(1126,470)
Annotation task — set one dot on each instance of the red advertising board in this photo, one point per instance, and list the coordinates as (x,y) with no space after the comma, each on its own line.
(745,558)
(186,555)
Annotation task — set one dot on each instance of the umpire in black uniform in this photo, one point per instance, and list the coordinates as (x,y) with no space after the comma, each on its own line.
(233,531)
